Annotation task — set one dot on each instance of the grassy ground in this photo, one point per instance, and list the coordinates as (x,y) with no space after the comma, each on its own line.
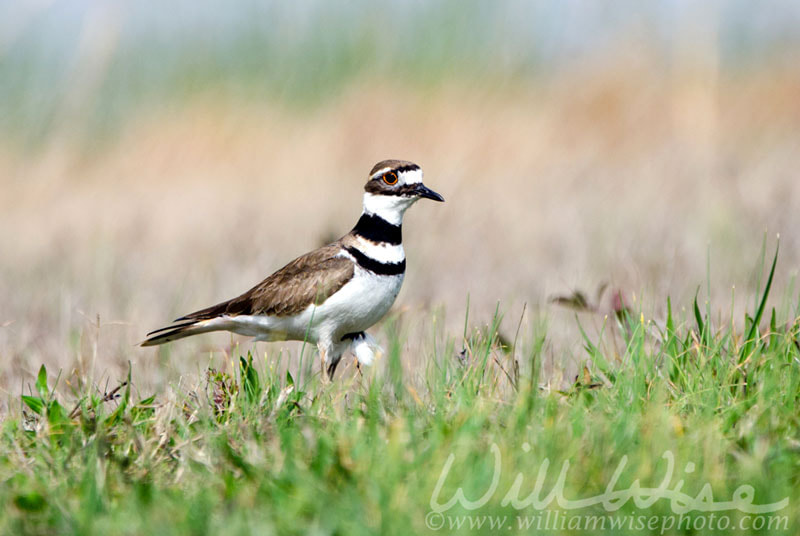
(251,448)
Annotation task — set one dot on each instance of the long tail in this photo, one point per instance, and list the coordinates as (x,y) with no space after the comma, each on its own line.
(209,319)
(180,329)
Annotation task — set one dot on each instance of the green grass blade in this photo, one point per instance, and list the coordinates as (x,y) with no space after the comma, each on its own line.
(41,383)
(749,342)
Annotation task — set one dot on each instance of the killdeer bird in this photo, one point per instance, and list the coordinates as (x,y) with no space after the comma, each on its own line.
(331,295)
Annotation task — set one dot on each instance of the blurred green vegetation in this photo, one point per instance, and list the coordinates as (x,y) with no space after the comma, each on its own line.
(95,65)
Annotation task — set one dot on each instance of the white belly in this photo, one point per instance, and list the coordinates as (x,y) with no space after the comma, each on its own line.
(359,304)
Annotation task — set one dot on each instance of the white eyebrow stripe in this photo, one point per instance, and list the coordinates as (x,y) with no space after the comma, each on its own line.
(380,172)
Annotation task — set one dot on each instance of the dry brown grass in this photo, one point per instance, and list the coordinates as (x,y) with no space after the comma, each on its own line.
(626,175)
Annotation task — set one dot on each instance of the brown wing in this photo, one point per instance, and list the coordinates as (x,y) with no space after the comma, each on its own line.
(311,278)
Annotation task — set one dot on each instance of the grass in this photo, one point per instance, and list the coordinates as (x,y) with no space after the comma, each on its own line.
(253,448)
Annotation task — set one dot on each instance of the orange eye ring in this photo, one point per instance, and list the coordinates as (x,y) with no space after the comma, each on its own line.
(390,178)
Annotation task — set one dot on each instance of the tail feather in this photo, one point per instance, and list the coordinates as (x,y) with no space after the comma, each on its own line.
(179,330)
(175,325)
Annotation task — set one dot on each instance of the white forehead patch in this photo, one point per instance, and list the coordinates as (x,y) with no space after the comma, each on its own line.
(412,176)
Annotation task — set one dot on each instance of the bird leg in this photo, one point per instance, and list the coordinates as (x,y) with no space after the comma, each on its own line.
(332,368)
(323,355)
(333,355)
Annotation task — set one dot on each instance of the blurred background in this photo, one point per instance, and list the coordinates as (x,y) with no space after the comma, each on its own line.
(157,159)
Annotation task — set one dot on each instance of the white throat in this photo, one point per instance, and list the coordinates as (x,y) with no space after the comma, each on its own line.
(389,207)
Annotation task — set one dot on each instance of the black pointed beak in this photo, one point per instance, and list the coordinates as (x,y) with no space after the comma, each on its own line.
(427,193)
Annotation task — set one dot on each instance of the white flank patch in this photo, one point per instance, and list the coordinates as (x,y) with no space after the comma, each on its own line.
(381,252)
(365,349)
(389,207)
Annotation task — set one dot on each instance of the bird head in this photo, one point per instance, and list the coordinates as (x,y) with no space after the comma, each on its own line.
(393,186)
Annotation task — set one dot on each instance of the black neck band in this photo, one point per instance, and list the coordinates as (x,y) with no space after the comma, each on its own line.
(377,267)
(376,229)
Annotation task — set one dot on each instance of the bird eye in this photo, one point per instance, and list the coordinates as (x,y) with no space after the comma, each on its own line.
(390,178)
